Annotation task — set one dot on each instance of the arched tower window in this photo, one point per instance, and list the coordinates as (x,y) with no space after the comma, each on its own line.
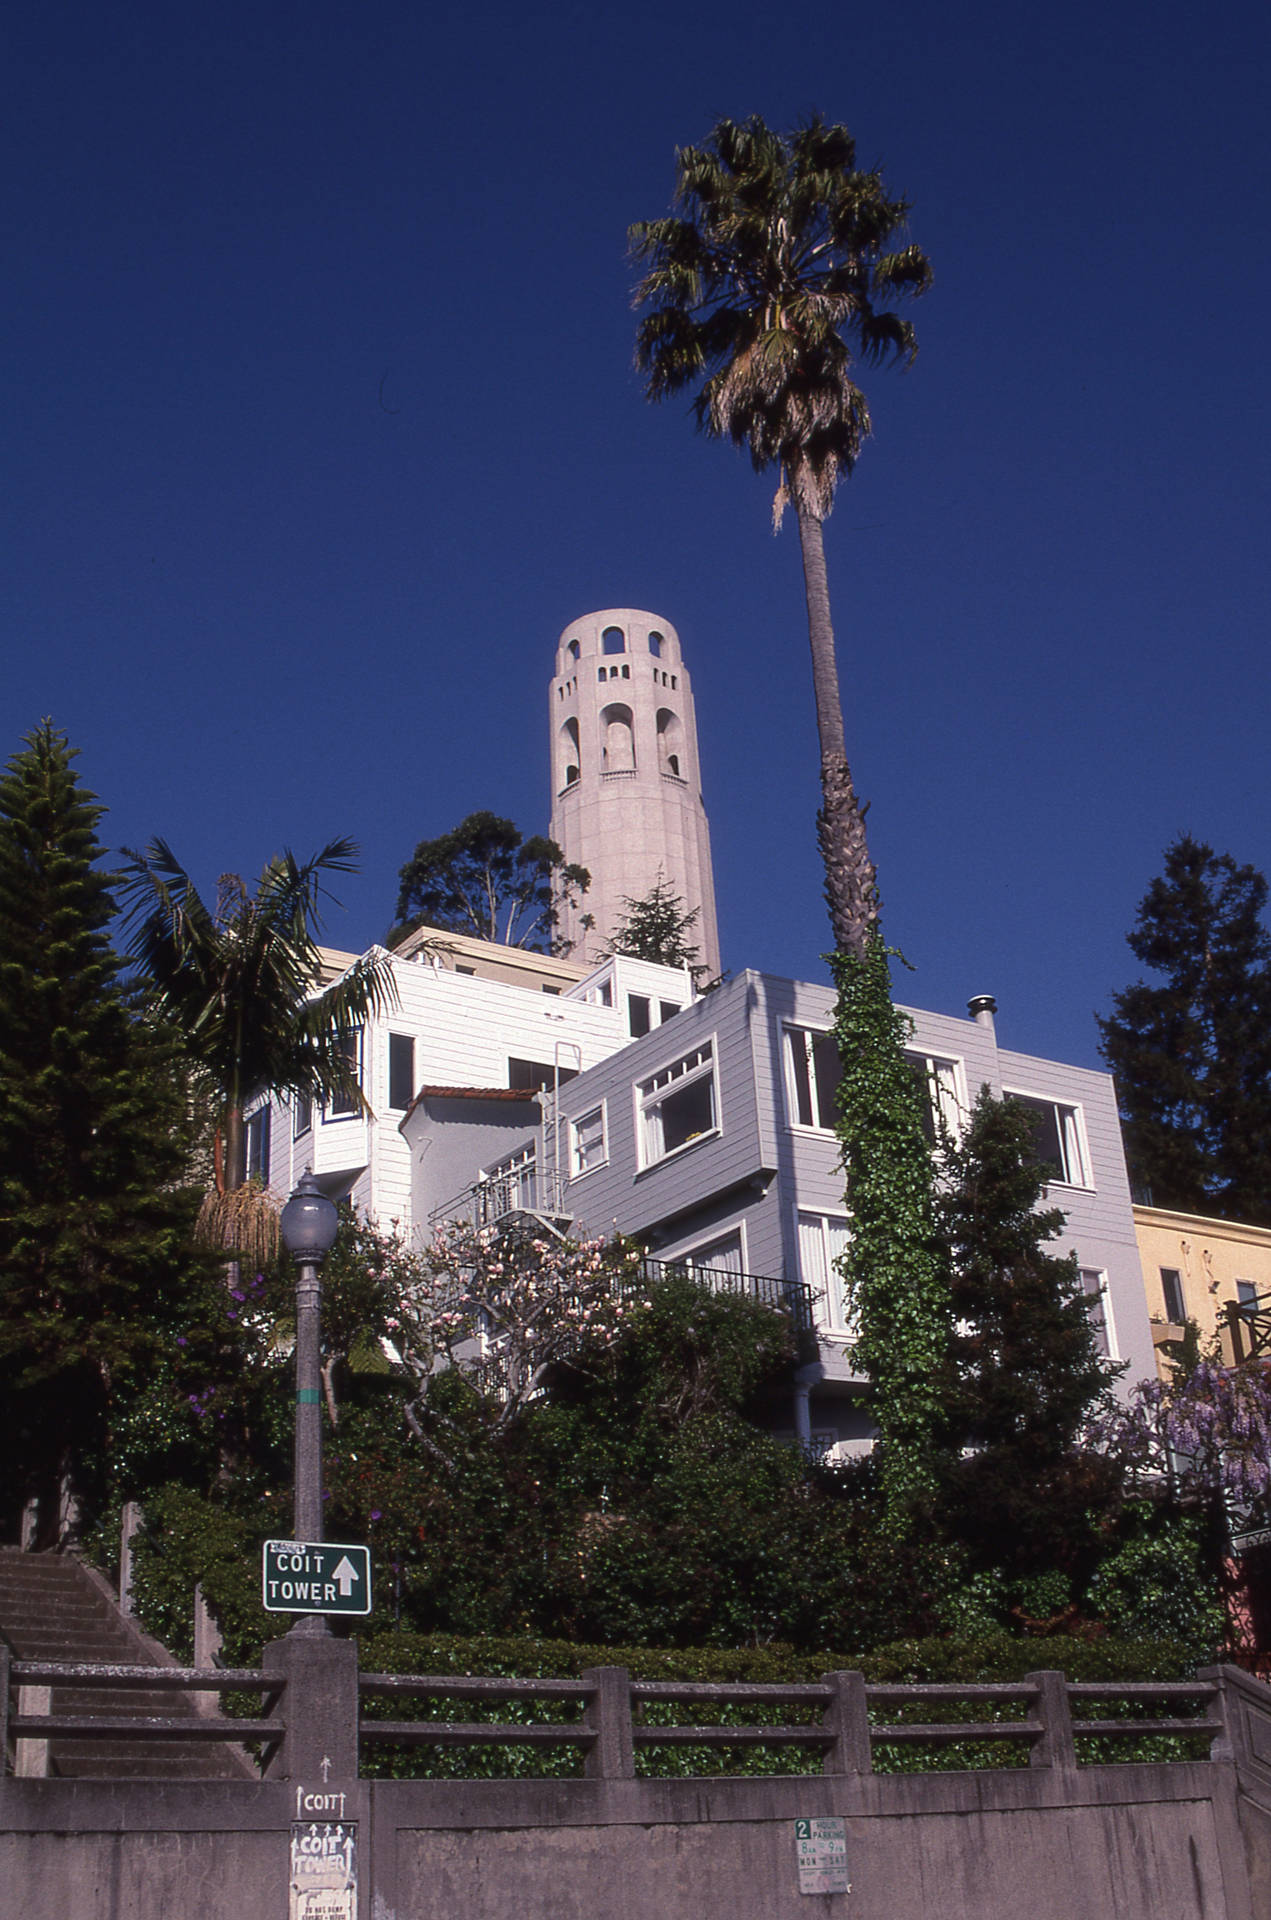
(570,756)
(613,640)
(655,645)
(574,649)
(618,737)
(671,743)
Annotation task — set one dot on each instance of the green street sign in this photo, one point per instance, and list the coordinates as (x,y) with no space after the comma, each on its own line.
(306,1576)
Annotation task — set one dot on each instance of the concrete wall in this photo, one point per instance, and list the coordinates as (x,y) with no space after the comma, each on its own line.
(1140,1843)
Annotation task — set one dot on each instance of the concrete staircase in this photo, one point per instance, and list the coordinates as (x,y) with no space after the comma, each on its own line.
(53,1607)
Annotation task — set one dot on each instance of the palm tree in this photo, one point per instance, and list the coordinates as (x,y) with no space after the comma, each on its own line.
(760,287)
(240,982)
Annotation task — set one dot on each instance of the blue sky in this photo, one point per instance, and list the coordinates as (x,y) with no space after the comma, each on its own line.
(321,424)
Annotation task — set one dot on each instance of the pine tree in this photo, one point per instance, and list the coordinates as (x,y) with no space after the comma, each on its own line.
(93,1232)
(1024,1372)
(1192,1056)
(657,928)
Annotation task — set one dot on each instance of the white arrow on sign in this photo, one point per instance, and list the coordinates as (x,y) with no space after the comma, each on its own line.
(345,1577)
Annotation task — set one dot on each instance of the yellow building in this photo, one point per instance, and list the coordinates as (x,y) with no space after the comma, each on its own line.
(1196,1268)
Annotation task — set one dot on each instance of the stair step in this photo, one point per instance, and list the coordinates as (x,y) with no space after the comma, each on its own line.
(52,1609)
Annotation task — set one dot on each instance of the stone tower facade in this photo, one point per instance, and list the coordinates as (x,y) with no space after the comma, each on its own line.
(626,786)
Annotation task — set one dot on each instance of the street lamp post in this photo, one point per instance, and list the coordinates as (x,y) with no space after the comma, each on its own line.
(308,1226)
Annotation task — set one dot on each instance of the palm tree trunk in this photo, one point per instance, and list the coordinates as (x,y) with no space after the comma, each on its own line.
(235,1149)
(851,885)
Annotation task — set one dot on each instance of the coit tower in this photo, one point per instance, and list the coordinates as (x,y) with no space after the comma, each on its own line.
(626,785)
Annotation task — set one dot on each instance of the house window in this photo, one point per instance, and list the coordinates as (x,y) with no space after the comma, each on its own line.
(258,1146)
(814,1074)
(677,1105)
(340,1105)
(942,1105)
(667,1010)
(1246,1295)
(589,1146)
(401,1070)
(1058,1146)
(1172,1288)
(639,1014)
(302,1115)
(531,1076)
(823,1240)
(1094,1284)
(710,1262)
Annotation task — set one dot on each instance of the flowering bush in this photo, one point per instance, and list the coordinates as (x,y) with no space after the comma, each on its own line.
(508,1303)
(1205,1436)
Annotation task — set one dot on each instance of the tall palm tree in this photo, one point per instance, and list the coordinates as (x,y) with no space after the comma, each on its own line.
(240,982)
(762,291)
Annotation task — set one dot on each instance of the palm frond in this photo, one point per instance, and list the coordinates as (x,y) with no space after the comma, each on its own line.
(762,287)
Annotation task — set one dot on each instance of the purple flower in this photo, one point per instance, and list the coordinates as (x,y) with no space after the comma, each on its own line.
(376,1514)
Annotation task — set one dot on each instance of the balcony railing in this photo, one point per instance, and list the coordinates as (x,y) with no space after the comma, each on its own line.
(521,1188)
(1249,1328)
(783,1296)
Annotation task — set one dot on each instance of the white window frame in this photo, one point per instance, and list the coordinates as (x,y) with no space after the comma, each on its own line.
(1071,1132)
(946,1089)
(1101,1293)
(651,1093)
(258,1142)
(330,1118)
(577,1168)
(830,1310)
(688,1256)
(796,1034)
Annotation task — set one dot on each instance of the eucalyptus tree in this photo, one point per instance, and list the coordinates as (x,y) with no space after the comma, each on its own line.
(765,290)
(242,983)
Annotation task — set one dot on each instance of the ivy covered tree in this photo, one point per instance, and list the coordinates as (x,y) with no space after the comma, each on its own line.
(1023,1375)
(658,928)
(483,878)
(1191,1050)
(895,1268)
(775,279)
(94,1227)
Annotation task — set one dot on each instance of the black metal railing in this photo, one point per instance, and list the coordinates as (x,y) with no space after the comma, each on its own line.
(1249,1325)
(783,1296)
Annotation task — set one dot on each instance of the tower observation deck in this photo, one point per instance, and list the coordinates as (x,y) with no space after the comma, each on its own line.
(626,785)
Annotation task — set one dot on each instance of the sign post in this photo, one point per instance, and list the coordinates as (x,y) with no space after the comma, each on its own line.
(315,1576)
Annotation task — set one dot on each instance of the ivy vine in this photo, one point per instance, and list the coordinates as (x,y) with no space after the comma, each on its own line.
(895,1271)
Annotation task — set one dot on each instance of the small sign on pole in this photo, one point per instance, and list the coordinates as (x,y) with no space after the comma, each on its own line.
(820,1852)
(306,1576)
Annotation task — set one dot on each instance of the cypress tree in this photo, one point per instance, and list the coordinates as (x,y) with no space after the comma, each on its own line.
(1023,1372)
(92,1230)
(1192,1054)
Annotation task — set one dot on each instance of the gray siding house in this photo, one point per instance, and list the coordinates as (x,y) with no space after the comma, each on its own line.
(708,1139)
